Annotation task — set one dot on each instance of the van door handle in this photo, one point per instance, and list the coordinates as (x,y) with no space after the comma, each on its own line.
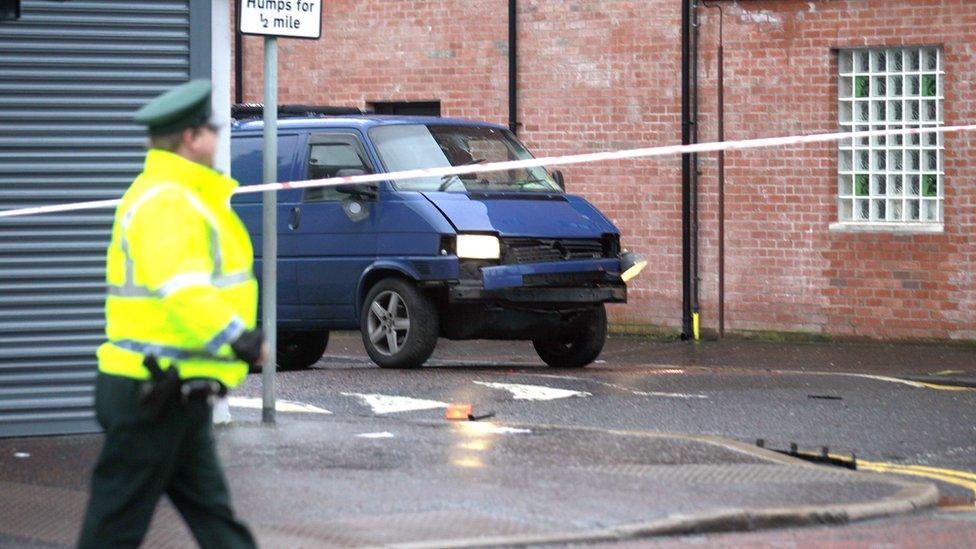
(296,218)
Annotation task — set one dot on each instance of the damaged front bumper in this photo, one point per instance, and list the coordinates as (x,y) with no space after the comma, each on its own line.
(589,281)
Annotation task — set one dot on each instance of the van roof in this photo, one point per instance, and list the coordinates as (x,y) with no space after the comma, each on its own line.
(363,121)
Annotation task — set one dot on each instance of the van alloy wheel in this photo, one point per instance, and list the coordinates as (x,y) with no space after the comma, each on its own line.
(399,324)
(388,322)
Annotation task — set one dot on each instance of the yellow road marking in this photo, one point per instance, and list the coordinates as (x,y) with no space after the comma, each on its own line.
(946,477)
(951,472)
(912,383)
(962,479)
(889,379)
(938,387)
(956,509)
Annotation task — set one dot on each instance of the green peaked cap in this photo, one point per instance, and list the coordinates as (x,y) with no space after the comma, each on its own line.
(185,106)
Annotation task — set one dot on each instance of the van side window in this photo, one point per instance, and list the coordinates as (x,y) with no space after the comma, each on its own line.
(340,155)
(247,162)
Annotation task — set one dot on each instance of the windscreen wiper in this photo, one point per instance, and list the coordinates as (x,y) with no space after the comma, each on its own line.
(446,180)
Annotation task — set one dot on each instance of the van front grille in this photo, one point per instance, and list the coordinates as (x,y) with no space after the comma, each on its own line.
(517,251)
(563,279)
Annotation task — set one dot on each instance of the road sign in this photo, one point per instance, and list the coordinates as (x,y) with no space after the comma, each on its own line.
(284,18)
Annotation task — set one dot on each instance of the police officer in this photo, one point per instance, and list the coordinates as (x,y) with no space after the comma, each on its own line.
(180,316)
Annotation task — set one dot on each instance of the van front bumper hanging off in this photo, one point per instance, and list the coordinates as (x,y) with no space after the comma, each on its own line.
(589,281)
(600,294)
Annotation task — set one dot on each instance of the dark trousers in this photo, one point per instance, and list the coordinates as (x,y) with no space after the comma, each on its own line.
(141,460)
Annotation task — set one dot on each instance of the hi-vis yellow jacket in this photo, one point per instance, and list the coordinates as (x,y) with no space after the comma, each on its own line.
(180,283)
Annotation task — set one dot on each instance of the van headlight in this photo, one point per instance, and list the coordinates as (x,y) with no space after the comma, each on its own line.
(478,246)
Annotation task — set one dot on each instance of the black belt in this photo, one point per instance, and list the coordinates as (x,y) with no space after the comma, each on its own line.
(201,388)
(165,386)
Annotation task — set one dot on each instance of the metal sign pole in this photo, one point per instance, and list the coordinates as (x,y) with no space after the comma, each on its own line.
(271,20)
(269,234)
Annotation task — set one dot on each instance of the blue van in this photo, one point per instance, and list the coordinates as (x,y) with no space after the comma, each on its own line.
(501,255)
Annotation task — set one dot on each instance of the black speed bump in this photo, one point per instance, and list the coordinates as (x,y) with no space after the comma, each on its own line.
(824,457)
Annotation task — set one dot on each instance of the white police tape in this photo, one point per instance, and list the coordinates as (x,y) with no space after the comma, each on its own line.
(530,163)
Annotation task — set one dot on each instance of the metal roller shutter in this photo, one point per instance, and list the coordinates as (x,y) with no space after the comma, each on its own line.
(71,75)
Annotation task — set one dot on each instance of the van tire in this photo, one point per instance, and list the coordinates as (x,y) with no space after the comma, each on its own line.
(298,350)
(580,350)
(414,343)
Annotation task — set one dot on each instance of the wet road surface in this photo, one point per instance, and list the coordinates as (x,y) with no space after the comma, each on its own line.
(841,397)
(355,423)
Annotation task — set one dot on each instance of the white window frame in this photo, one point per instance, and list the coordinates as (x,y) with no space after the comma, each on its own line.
(893,183)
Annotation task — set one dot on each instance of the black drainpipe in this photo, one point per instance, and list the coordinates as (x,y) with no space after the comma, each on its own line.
(687,274)
(238,67)
(695,172)
(513,65)
(721,169)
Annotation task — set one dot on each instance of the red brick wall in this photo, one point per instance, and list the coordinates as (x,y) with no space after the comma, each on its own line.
(785,269)
(599,75)
(393,50)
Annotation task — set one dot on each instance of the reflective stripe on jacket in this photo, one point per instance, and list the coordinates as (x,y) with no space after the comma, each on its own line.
(179,274)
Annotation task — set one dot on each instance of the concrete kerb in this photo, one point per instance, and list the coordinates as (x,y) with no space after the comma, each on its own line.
(911,496)
(909,499)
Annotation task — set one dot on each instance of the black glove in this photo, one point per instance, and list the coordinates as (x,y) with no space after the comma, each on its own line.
(247,347)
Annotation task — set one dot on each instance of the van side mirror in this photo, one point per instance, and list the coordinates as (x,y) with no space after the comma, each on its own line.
(558,176)
(356,205)
(365,190)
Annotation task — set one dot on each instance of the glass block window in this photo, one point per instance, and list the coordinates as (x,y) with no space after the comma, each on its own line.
(897,179)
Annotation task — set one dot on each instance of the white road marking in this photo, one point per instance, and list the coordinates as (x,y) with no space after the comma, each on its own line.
(888,379)
(668,395)
(534,392)
(280,405)
(622,388)
(553,376)
(388,404)
(384,434)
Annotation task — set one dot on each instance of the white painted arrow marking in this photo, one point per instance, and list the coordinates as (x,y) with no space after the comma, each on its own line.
(384,434)
(280,405)
(534,392)
(628,389)
(387,404)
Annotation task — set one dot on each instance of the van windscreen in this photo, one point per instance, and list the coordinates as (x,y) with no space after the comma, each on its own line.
(414,146)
